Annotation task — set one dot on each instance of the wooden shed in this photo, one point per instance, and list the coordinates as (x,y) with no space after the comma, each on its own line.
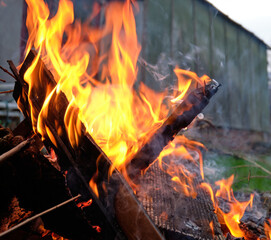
(197,36)
(194,35)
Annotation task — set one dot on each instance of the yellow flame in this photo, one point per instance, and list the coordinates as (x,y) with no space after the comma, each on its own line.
(180,147)
(96,68)
(237,209)
(267,229)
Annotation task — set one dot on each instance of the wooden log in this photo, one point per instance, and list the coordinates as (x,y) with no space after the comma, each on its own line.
(81,162)
(182,116)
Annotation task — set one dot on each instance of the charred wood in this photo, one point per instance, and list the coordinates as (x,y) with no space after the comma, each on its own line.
(182,116)
(38,186)
(79,163)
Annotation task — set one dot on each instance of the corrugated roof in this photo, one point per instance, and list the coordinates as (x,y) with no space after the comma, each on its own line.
(227,18)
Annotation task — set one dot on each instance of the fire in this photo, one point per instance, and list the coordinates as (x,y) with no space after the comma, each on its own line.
(48,234)
(181,148)
(211,224)
(96,68)
(185,79)
(236,209)
(84,204)
(267,229)
(209,189)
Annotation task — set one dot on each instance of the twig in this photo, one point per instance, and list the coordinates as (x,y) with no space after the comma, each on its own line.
(242,166)
(2,80)
(14,150)
(9,91)
(245,179)
(247,158)
(6,71)
(38,215)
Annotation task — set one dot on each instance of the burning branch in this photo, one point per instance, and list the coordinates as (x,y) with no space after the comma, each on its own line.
(183,115)
(83,159)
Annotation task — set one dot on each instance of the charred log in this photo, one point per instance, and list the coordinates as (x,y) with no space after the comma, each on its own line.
(183,115)
(80,163)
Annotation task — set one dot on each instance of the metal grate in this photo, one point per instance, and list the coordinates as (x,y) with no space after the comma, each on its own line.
(175,214)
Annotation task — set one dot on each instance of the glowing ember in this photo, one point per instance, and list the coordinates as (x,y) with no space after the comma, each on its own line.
(84,204)
(97,228)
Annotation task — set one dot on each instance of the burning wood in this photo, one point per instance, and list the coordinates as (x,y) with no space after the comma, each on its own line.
(83,168)
(182,116)
(190,107)
(77,151)
(103,140)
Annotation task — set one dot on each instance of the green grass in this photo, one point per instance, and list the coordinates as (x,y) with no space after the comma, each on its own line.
(247,175)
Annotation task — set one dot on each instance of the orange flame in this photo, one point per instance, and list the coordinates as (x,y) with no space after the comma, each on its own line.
(96,68)
(181,147)
(185,79)
(237,209)
(211,224)
(267,229)
(209,189)
(82,205)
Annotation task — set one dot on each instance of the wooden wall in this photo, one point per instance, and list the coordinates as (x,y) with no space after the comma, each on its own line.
(194,35)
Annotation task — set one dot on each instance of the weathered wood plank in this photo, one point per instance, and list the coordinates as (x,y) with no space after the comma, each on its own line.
(244,79)
(219,111)
(157,41)
(203,38)
(255,88)
(263,79)
(182,34)
(233,86)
